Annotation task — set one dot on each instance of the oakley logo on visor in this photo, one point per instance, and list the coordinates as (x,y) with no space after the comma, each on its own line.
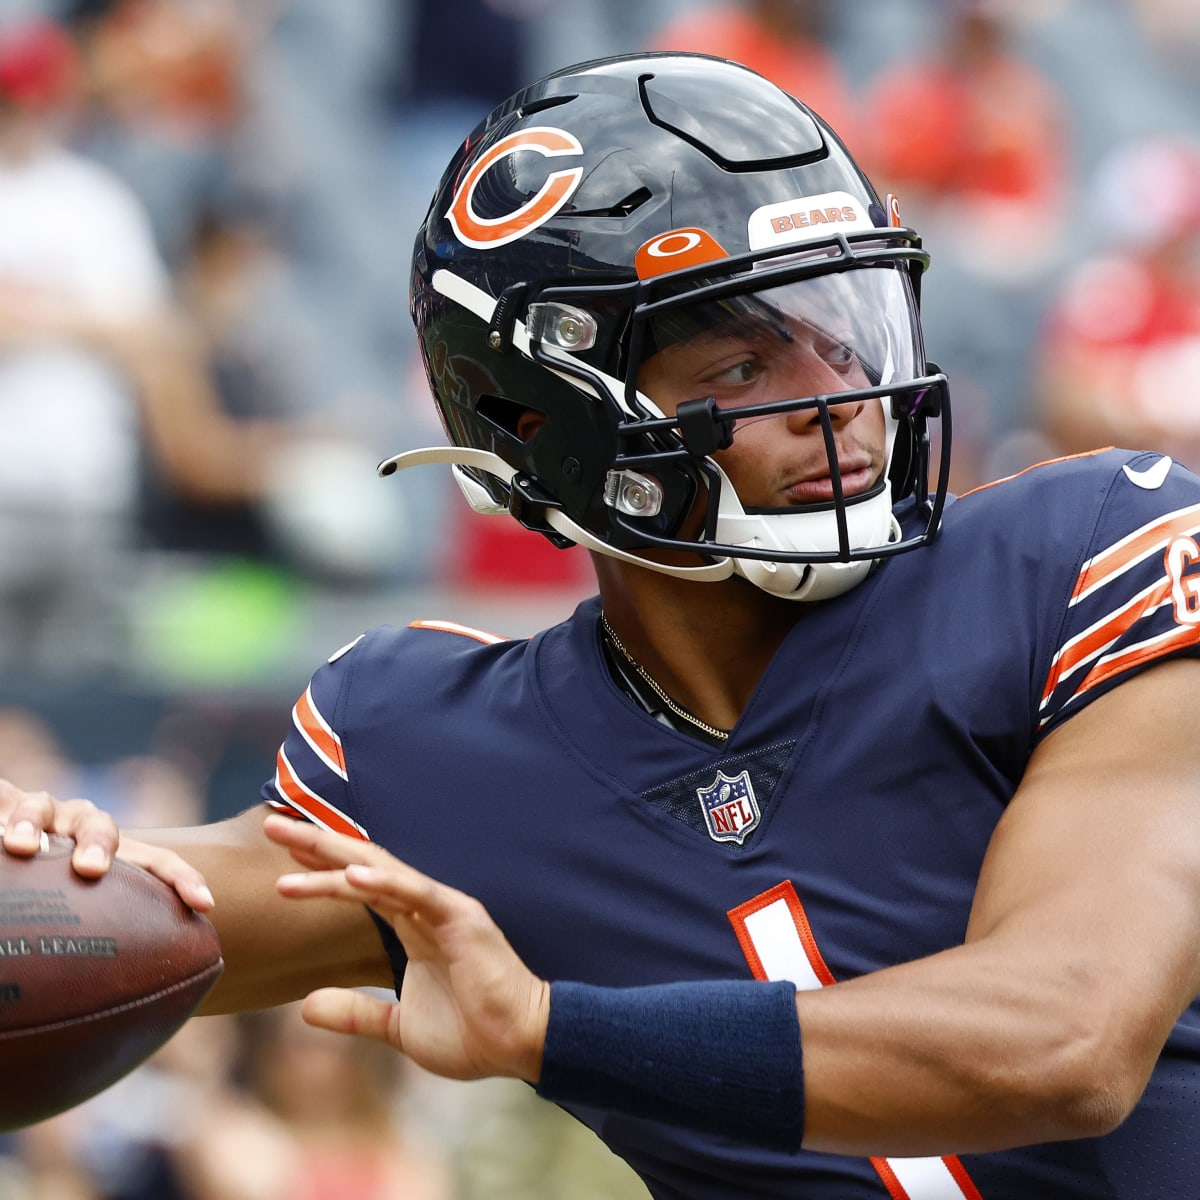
(806,218)
(487,233)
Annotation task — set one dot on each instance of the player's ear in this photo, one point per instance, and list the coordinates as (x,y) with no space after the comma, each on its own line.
(529,422)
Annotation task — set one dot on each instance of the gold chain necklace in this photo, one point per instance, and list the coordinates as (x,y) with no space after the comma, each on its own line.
(682,713)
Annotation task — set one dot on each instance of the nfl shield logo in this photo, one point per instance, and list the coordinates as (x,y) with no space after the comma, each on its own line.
(730,807)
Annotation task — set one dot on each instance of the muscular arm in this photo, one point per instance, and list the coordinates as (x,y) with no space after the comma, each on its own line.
(1083,948)
(275,950)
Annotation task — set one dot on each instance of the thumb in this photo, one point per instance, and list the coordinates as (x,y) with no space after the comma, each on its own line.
(343,1010)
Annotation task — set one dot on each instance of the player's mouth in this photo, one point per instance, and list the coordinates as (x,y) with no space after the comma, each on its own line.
(857,475)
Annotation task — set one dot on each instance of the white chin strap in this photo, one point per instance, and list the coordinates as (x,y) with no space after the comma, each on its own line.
(869,522)
(493,464)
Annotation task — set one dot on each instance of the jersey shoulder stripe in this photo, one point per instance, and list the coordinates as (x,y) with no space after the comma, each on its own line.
(479,635)
(1091,643)
(318,733)
(316,808)
(1112,665)
(1152,538)
(1134,596)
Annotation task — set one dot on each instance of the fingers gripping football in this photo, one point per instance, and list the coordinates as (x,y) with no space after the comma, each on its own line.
(469,1007)
(26,816)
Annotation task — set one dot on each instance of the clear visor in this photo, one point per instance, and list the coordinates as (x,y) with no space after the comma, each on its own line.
(811,338)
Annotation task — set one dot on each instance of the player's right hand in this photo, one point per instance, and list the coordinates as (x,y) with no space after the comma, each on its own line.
(26,816)
(469,1008)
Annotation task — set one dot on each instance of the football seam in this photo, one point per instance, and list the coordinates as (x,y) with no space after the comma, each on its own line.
(104,1013)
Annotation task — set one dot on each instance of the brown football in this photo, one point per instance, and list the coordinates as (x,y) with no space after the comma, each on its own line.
(95,975)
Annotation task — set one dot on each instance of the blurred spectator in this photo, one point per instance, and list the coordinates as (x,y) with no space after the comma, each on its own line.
(31,754)
(1173,29)
(236,288)
(320,1119)
(102,371)
(1121,350)
(785,40)
(976,141)
(515,1148)
(80,285)
(165,96)
(124,1143)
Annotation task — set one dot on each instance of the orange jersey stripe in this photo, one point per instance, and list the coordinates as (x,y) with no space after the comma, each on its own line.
(319,734)
(1095,640)
(319,811)
(888,1178)
(1167,643)
(488,639)
(1148,540)
(964,1181)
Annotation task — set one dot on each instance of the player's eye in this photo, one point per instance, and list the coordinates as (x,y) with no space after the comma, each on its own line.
(738,375)
(839,356)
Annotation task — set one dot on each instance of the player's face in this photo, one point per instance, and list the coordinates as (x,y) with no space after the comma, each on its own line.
(765,349)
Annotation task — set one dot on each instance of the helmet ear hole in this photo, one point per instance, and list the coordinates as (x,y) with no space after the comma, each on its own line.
(516,420)
(529,422)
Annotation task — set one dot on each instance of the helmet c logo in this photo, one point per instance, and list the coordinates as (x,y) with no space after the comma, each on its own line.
(488,233)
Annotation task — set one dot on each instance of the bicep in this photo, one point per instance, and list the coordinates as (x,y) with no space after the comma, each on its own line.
(275,950)
(1081,952)
(1093,874)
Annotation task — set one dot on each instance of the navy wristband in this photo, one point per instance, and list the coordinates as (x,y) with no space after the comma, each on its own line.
(716,1056)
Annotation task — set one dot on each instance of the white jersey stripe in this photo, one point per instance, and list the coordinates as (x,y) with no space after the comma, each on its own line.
(1167,523)
(490,639)
(345,649)
(1108,618)
(773,933)
(1143,651)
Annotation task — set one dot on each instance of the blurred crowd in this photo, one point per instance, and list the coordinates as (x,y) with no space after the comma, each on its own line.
(206,214)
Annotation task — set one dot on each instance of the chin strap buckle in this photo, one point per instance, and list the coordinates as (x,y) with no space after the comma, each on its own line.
(529,503)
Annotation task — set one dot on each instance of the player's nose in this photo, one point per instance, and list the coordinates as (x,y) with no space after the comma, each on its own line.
(804,420)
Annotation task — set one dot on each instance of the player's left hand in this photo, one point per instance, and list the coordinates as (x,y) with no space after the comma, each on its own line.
(469,1008)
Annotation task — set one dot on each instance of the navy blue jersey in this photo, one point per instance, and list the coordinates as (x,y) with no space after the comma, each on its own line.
(840,829)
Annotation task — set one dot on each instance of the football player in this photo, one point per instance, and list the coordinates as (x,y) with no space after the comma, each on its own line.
(846,843)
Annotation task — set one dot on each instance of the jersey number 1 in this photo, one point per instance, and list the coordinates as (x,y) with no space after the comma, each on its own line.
(778,943)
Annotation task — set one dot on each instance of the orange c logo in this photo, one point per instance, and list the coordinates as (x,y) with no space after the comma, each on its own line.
(487,233)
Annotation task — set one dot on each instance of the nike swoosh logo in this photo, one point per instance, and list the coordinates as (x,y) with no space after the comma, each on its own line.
(1152,478)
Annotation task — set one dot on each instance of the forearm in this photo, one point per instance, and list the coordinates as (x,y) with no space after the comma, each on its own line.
(954,1053)
(960,1052)
(275,950)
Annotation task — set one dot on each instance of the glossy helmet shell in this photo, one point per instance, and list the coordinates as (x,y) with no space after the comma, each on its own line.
(559,188)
